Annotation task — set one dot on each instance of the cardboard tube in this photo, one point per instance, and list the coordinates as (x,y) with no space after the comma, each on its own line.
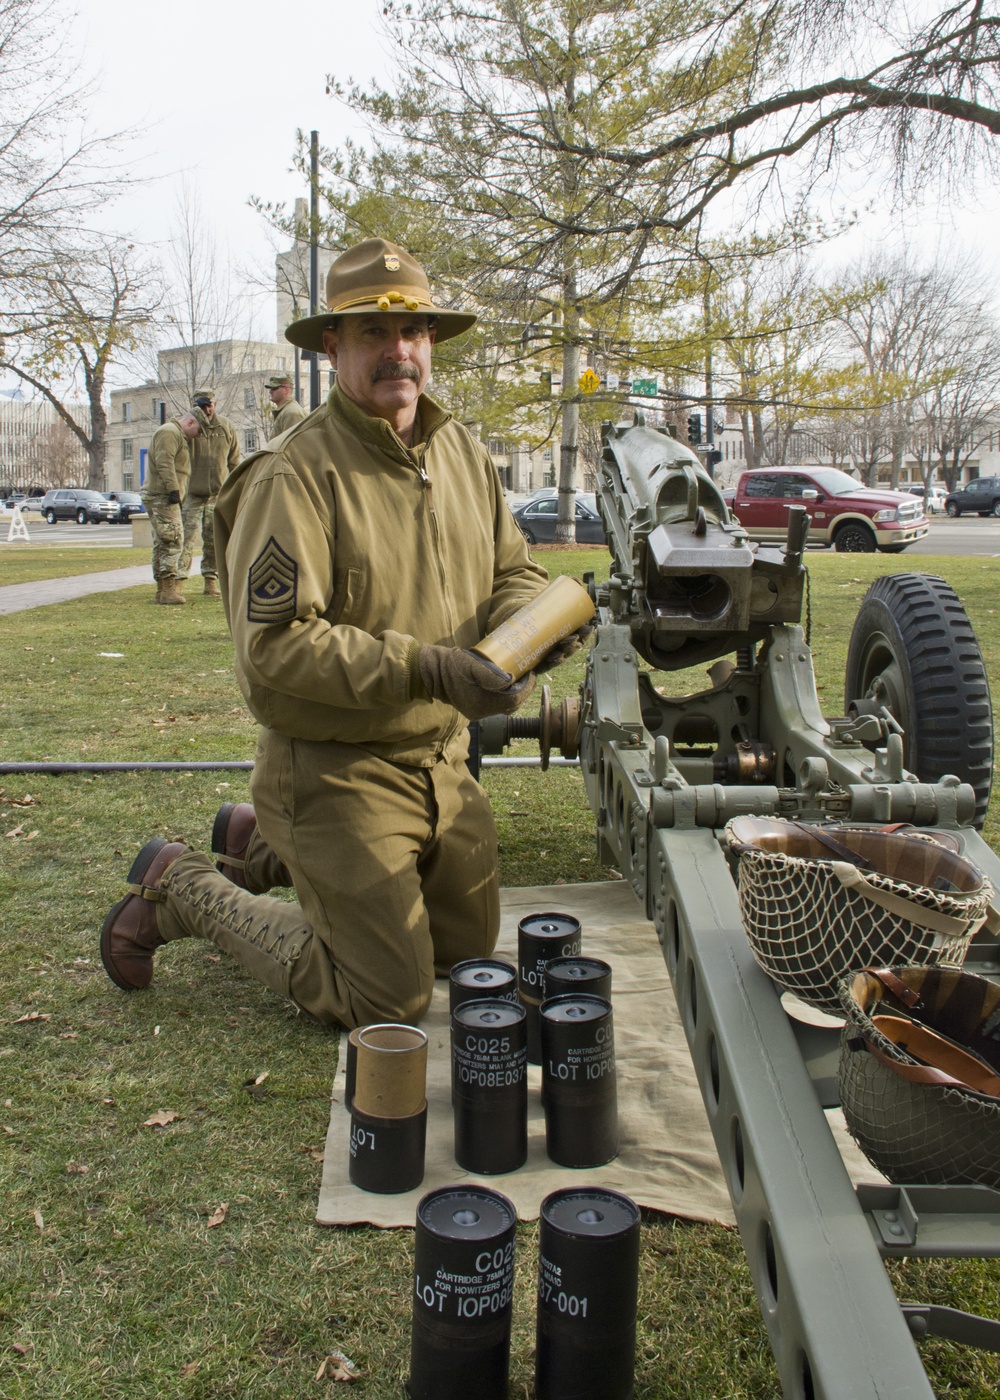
(518,644)
(391,1077)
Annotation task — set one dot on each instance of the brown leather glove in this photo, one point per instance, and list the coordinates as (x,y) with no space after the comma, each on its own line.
(568,647)
(472,684)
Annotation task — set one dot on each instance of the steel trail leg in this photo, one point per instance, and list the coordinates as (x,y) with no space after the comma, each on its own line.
(834,1322)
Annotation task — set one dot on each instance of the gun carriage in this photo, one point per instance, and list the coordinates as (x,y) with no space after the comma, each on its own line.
(664,773)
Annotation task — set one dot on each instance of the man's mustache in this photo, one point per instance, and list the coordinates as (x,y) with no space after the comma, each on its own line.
(391,369)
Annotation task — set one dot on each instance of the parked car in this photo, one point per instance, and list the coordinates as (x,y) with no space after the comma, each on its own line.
(23,499)
(981,495)
(842,512)
(933,497)
(129,503)
(81,506)
(537,520)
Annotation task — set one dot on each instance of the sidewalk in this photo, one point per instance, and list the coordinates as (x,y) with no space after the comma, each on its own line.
(17,597)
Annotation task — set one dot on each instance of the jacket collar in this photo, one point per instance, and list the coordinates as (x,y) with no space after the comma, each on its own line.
(430,417)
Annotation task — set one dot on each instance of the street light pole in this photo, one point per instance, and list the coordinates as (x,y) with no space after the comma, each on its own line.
(314,259)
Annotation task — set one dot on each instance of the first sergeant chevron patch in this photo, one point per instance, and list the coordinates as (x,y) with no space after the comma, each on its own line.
(272,585)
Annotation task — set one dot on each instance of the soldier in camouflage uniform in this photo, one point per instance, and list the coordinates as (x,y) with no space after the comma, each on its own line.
(213,456)
(287,409)
(163,494)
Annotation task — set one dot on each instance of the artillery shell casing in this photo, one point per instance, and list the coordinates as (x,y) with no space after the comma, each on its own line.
(579,1084)
(489,1069)
(387,1154)
(567,976)
(476,978)
(391,1078)
(351,1068)
(462,1295)
(518,644)
(588,1283)
(541,937)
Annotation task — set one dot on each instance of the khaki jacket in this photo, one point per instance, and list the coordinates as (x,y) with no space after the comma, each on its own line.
(168,466)
(340,551)
(213,455)
(286,417)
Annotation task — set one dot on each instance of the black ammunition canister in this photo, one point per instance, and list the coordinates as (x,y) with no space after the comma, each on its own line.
(477,978)
(579,1084)
(489,1077)
(387,1154)
(462,1295)
(588,1282)
(570,976)
(541,937)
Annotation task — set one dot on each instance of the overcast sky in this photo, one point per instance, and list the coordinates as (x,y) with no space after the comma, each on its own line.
(220,88)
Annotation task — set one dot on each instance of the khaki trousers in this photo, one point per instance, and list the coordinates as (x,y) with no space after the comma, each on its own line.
(394,869)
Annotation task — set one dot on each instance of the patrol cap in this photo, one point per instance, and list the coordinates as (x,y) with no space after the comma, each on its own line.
(279,381)
(203,398)
(376,276)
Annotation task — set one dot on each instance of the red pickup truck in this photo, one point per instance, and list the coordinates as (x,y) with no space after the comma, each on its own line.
(842,512)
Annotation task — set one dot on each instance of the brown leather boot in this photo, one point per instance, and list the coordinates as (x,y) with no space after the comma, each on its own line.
(170,592)
(129,935)
(159,590)
(231,832)
(212,589)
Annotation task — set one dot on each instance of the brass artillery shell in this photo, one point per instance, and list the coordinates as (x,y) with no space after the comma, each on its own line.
(391,1077)
(519,644)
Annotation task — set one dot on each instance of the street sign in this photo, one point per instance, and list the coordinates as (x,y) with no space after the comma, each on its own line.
(612,381)
(645,388)
(589,382)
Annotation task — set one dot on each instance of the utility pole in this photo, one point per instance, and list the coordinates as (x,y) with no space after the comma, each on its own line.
(711,457)
(314,259)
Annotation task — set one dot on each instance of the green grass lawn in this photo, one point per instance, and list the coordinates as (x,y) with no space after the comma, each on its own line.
(113,1283)
(24,563)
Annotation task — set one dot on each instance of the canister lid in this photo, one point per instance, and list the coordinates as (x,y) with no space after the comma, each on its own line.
(473,1214)
(549,925)
(589,1211)
(577,969)
(484,973)
(573,1009)
(488,1014)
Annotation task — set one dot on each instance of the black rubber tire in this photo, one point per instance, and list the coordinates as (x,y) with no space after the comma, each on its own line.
(50,516)
(81,517)
(528,536)
(855,538)
(996,507)
(952,509)
(913,648)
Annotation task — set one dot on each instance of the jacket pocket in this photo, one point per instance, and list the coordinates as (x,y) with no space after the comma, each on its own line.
(346,594)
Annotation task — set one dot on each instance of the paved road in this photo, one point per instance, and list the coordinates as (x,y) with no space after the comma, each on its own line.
(964,536)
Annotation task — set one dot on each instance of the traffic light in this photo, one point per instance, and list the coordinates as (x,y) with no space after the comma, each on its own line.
(694,428)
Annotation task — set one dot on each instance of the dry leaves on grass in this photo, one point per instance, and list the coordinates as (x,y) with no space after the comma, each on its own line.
(33,1016)
(38,1219)
(76,1169)
(338,1367)
(316,1153)
(189,1368)
(161,1119)
(218,1216)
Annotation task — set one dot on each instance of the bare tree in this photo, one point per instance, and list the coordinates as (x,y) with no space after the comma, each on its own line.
(88,310)
(62,458)
(53,172)
(904,325)
(203,307)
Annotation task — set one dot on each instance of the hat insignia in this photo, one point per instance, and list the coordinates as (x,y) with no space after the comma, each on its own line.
(391,262)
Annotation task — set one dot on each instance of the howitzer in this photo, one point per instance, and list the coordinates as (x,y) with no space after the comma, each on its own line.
(664,773)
